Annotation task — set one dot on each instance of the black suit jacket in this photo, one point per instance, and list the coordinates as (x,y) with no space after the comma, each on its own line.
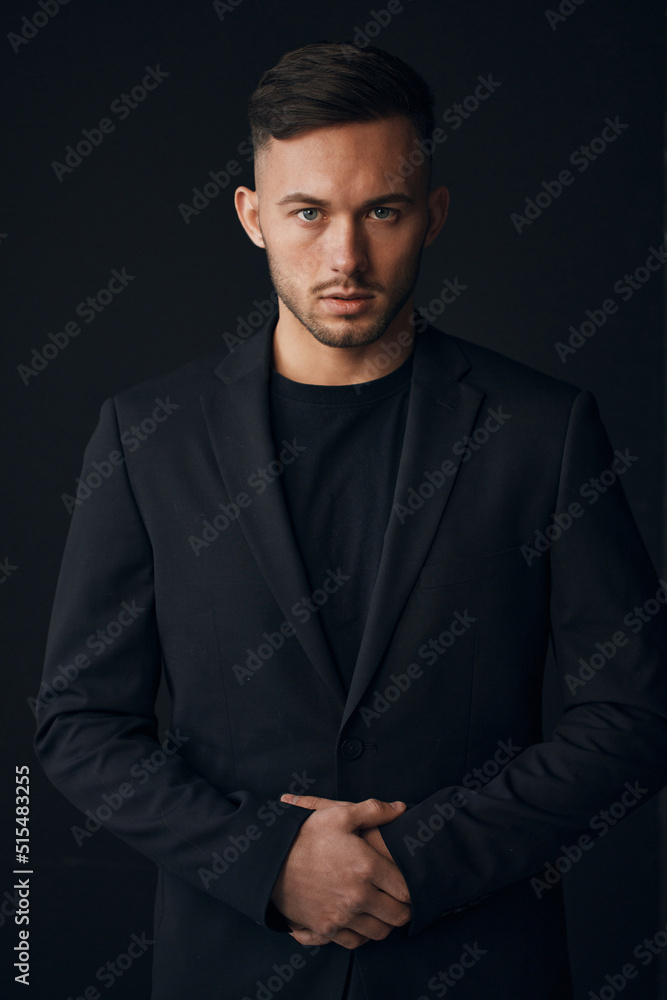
(178,561)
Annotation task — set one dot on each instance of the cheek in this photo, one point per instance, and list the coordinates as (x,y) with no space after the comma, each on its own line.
(295,247)
(397,257)
(400,244)
(292,254)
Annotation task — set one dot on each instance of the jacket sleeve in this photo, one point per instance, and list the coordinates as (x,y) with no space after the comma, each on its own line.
(95,710)
(608,631)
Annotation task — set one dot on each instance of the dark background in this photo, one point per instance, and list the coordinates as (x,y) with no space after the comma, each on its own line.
(59,241)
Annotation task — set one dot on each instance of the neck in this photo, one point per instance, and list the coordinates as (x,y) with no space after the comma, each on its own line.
(297,355)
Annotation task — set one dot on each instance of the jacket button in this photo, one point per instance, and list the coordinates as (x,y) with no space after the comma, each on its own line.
(352,748)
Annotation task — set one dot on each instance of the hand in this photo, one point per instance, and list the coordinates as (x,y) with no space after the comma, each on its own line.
(372,836)
(335,887)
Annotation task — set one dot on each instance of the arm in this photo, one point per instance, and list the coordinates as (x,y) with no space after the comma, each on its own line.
(613,729)
(96,728)
(96,722)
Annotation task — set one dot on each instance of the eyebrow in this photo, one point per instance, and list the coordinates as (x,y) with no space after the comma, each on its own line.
(383,199)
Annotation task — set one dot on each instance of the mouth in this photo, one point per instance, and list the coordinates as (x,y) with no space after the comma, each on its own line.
(346,304)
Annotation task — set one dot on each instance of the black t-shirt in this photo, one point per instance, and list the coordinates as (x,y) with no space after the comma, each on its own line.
(339,491)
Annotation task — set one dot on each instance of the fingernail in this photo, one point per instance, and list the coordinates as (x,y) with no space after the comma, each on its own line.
(291,799)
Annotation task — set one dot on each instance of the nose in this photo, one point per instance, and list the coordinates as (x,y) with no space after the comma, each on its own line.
(347,250)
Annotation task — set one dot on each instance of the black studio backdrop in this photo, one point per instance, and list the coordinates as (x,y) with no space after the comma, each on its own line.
(109,277)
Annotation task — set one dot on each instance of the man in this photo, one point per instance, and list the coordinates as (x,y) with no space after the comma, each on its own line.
(347,548)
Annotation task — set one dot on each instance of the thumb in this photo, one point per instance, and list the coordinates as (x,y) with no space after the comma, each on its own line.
(310,801)
(375,812)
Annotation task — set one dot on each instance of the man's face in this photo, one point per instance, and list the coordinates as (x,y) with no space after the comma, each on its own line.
(342,230)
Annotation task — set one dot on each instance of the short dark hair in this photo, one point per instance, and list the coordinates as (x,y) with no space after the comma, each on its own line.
(335,83)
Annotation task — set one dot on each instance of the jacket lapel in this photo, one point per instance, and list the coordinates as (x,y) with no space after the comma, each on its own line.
(441,413)
(238,419)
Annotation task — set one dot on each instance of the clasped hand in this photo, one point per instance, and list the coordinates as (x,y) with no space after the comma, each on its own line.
(339,882)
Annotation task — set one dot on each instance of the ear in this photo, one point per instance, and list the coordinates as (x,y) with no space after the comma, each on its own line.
(247,209)
(438,205)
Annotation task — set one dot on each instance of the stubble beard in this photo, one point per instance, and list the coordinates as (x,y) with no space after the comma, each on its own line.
(361,332)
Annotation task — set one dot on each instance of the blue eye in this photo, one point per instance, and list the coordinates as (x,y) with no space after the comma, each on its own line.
(304,212)
(382,209)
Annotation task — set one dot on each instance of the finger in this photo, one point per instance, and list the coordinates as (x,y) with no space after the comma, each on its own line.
(346,937)
(386,877)
(311,801)
(374,839)
(308,938)
(367,926)
(349,939)
(385,907)
(374,812)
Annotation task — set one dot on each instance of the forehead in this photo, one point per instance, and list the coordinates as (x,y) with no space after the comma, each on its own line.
(350,159)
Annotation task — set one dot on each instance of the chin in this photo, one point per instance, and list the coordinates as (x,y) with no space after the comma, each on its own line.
(348,337)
